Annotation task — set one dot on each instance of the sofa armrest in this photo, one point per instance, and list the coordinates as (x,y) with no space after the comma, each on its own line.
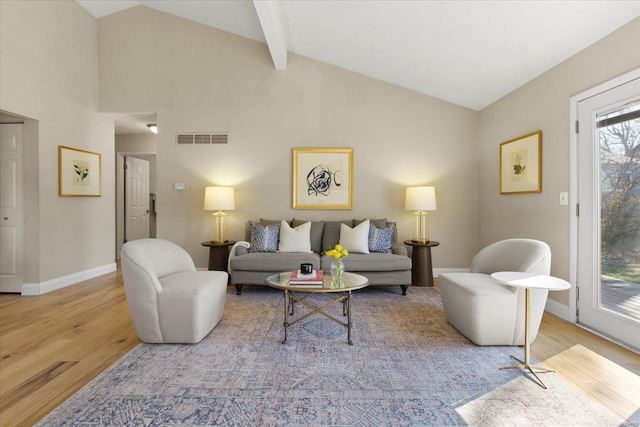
(399,249)
(238,248)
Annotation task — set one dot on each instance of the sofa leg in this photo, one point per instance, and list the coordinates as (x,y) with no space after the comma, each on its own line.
(404,289)
(239,289)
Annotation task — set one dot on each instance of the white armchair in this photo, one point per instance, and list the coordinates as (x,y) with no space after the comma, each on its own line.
(488,312)
(169,300)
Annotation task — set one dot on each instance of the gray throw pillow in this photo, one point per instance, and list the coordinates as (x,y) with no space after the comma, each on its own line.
(381,239)
(264,238)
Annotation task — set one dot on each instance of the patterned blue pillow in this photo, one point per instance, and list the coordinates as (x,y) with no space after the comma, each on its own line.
(381,239)
(264,238)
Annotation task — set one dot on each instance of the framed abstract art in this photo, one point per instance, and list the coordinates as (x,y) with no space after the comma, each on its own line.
(323,178)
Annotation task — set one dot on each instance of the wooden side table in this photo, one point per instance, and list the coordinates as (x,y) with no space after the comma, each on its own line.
(218,254)
(421,267)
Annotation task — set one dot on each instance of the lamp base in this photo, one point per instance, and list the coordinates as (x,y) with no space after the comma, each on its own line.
(219,227)
(420,232)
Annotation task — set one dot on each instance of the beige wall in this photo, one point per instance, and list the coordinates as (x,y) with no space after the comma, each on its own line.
(48,73)
(201,79)
(543,104)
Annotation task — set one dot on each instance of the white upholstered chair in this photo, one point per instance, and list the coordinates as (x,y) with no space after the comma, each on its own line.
(491,313)
(169,300)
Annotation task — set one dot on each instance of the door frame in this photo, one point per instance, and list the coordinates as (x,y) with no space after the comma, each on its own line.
(573,180)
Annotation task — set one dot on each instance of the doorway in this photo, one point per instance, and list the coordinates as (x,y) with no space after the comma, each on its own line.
(11,207)
(135,138)
(608,211)
(145,201)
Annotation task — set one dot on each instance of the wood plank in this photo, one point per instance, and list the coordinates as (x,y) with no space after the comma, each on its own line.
(34,383)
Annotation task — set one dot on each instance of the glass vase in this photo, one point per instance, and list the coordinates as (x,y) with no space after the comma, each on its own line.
(337,270)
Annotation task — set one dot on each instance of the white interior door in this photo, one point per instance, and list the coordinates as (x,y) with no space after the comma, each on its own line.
(11,208)
(608,276)
(136,198)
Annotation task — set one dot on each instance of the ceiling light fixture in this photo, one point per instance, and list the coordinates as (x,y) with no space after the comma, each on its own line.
(153,127)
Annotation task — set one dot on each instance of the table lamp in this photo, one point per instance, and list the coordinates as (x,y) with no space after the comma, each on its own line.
(420,200)
(219,199)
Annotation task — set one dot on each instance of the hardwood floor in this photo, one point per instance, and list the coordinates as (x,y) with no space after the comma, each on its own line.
(54,344)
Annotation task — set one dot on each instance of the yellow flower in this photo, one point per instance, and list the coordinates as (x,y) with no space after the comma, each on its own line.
(337,252)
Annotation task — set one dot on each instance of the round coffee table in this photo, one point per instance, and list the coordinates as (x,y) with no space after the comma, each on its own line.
(351,282)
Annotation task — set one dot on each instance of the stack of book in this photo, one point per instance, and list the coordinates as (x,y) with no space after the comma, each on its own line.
(315,279)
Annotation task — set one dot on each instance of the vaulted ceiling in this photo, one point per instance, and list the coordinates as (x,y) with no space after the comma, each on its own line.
(470,53)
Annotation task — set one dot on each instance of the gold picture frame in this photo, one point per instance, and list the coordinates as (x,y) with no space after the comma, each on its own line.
(79,173)
(521,164)
(323,178)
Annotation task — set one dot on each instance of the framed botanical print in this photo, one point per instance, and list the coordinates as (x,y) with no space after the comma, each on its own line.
(79,173)
(521,164)
(323,178)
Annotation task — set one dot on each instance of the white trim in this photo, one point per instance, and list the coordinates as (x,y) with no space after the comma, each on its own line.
(71,279)
(557,308)
(573,202)
(438,271)
(573,179)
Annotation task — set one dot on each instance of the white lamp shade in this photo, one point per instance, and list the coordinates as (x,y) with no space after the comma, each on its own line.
(420,199)
(219,199)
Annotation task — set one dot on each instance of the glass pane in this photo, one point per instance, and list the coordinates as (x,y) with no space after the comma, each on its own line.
(619,137)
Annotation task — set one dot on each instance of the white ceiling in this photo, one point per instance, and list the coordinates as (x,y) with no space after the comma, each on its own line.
(470,53)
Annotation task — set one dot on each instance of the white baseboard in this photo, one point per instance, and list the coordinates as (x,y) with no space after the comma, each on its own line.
(71,279)
(559,309)
(438,271)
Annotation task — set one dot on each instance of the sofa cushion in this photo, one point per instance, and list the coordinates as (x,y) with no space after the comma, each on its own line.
(331,235)
(355,239)
(264,238)
(381,239)
(317,228)
(370,262)
(272,221)
(274,262)
(296,239)
(380,223)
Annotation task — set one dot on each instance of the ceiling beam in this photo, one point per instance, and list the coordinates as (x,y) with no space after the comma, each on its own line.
(269,16)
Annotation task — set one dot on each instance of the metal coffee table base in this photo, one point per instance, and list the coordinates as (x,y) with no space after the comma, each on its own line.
(290,298)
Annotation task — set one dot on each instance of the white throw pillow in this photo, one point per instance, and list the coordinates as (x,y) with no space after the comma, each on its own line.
(295,239)
(355,239)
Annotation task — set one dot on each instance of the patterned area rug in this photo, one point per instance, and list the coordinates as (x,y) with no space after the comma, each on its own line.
(407,367)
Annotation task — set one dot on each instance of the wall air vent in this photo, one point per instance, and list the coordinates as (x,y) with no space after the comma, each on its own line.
(201,138)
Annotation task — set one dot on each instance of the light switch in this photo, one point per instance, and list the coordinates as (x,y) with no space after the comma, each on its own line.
(179,186)
(564,198)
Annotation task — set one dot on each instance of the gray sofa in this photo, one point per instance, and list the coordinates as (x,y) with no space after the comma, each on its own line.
(247,268)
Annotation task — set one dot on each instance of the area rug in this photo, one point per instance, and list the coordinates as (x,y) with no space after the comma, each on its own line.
(407,367)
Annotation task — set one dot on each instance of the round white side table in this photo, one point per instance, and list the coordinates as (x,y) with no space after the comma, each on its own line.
(529,281)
